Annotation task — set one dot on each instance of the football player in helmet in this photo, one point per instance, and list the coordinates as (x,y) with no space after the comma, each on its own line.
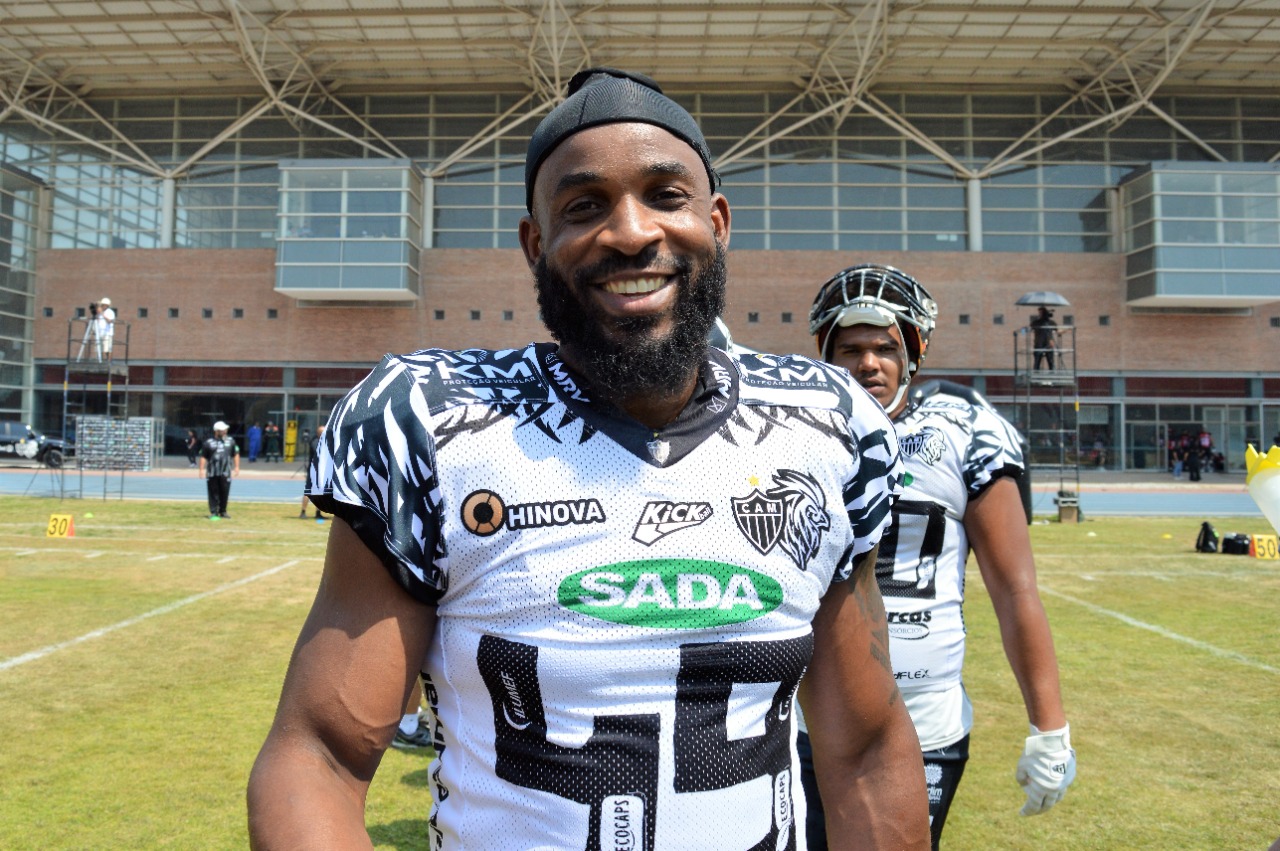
(963,461)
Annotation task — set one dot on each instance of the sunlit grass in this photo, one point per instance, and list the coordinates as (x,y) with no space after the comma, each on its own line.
(143,736)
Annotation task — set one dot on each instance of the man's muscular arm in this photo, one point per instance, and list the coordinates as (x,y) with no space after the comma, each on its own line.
(357,658)
(865,751)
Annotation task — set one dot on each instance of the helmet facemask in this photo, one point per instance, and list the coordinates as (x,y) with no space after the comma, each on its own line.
(881,296)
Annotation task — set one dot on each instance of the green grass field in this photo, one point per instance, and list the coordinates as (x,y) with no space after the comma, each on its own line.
(141,660)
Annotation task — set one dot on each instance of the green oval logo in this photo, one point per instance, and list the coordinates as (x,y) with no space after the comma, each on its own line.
(671,593)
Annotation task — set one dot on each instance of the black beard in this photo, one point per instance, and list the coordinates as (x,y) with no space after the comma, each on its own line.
(637,363)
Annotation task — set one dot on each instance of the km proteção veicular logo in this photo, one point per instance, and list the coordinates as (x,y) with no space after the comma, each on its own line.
(671,593)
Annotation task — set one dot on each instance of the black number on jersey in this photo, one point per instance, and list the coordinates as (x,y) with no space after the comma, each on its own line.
(906,531)
(619,762)
(705,756)
(618,765)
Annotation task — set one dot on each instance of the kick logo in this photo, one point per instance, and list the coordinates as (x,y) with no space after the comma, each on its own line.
(792,514)
(660,518)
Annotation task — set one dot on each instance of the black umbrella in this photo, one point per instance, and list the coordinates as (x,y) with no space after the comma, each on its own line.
(1044,298)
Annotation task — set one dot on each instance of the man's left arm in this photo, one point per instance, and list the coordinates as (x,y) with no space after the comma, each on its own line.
(996,525)
(865,751)
(235,463)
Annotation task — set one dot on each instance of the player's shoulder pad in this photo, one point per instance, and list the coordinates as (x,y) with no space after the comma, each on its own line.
(939,388)
(794,380)
(450,378)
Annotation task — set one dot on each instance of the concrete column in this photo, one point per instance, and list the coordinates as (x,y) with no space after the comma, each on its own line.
(428,211)
(973,211)
(168,215)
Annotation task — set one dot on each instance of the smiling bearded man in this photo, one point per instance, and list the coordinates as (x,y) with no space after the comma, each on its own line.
(613,559)
(636,358)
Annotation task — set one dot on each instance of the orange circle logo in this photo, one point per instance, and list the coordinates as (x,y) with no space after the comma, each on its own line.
(483,513)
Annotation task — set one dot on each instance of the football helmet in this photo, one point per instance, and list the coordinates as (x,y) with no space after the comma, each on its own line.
(870,294)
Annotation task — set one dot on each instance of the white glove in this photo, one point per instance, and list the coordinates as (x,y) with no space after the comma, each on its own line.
(1046,769)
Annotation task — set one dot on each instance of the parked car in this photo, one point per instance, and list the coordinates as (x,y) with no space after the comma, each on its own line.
(20,441)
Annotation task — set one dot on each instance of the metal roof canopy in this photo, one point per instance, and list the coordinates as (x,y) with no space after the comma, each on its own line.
(1107,57)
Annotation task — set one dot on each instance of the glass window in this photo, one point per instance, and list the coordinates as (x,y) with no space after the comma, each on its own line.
(871,196)
(872,242)
(870,219)
(1189,206)
(801,196)
(1188,231)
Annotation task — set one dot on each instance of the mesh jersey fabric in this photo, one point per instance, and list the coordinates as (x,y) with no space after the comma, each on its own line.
(621,627)
(952,450)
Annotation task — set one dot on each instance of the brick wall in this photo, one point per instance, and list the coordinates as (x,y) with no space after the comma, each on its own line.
(492,281)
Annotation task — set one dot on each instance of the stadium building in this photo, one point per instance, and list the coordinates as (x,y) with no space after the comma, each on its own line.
(274,193)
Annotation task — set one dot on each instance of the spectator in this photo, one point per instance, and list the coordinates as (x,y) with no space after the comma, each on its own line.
(193,447)
(271,439)
(254,436)
(219,461)
(105,328)
(313,447)
(1045,338)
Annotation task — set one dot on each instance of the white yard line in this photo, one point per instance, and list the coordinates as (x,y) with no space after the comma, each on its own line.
(226,559)
(158,558)
(1161,631)
(98,633)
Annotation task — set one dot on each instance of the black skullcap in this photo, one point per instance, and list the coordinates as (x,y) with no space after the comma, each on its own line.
(609,96)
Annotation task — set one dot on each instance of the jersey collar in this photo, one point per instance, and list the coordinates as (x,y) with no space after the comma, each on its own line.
(714,400)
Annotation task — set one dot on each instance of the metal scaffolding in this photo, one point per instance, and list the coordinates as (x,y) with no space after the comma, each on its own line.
(95,383)
(1048,411)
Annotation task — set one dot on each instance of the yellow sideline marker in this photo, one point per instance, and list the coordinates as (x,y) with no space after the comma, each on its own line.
(60,526)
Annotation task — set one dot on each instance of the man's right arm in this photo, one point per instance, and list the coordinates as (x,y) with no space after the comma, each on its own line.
(865,751)
(358,655)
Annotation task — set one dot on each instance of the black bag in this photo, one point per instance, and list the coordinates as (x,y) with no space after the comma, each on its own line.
(1207,540)
(1236,545)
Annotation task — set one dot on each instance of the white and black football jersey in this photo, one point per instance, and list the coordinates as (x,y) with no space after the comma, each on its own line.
(624,614)
(952,450)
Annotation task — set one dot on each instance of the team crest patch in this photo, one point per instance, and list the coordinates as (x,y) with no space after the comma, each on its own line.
(792,514)
(926,445)
(759,518)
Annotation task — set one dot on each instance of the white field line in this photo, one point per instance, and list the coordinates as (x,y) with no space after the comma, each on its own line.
(94,554)
(63,551)
(1161,631)
(226,559)
(1159,574)
(178,604)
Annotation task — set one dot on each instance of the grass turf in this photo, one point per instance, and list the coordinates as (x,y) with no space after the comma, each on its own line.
(142,735)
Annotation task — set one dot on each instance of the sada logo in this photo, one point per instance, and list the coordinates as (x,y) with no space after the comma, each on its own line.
(671,593)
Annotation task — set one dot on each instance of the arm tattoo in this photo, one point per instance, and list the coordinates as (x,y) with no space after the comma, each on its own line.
(871,606)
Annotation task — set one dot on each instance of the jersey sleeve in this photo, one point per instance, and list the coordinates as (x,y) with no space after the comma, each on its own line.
(375,468)
(994,451)
(876,480)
